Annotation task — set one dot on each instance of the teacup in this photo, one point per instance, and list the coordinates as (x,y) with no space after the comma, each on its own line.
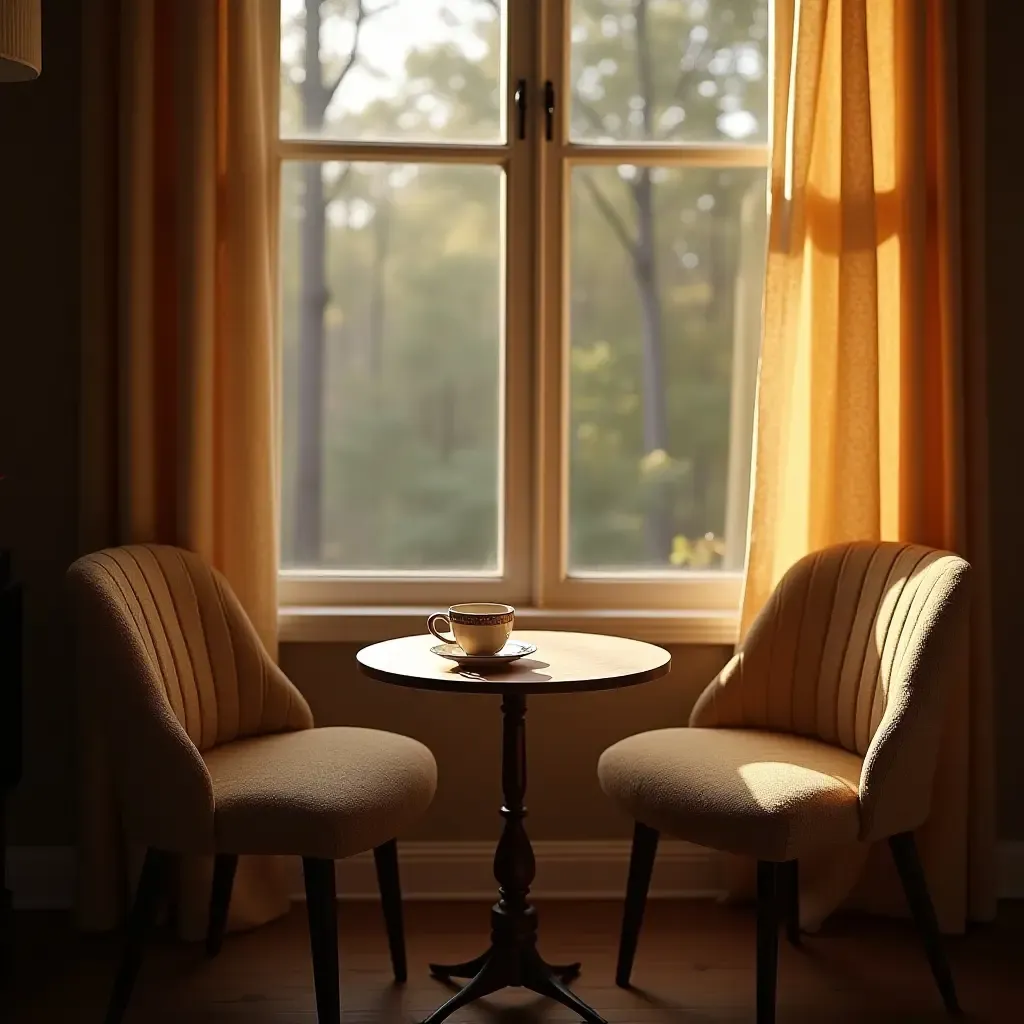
(479,628)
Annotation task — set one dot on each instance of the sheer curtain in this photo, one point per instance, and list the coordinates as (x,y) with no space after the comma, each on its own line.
(871,404)
(179,372)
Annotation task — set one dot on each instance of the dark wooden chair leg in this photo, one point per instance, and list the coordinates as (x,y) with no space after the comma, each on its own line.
(322,908)
(224,867)
(767,940)
(385,858)
(152,885)
(908,864)
(789,886)
(641,864)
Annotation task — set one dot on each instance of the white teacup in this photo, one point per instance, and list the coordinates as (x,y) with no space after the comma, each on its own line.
(478,628)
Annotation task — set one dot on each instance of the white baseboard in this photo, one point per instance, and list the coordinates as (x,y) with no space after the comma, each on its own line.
(43,877)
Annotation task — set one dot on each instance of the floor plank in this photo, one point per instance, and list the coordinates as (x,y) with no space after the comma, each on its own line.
(694,966)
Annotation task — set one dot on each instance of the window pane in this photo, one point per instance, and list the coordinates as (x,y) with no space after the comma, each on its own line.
(668,71)
(403,71)
(392,306)
(666,286)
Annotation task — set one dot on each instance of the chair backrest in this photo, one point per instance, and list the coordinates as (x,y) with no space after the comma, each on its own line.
(180,669)
(858,646)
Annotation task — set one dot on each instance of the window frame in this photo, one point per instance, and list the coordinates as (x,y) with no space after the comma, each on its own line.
(512,580)
(557,586)
(533,477)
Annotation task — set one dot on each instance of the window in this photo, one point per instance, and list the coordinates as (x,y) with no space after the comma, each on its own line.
(521,264)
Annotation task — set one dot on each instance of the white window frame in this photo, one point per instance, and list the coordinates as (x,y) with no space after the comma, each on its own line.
(533,571)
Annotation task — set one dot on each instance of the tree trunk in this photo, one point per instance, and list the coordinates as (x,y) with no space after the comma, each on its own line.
(378,307)
(309,490)
(645,269)
(655,413)
(723,257)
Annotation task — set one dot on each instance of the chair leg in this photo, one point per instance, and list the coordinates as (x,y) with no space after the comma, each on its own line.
(224,867)
(915,887)
(767,940)
(641,864)
(385,857)
(322,908)
(789,886)
(152,885)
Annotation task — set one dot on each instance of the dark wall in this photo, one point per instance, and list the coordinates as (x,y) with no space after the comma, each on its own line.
(1004,225)
(40,208)
(39,352)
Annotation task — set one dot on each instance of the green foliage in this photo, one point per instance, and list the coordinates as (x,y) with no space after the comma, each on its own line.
(414,264)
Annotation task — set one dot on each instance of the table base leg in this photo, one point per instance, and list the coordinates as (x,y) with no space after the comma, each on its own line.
(471,968)
(504,967)
(567,972)
(486,981)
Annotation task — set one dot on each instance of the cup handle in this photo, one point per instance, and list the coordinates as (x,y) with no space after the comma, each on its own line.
(440,617)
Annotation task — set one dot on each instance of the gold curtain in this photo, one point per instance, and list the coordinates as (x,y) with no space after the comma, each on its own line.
(871,395)
(179,372)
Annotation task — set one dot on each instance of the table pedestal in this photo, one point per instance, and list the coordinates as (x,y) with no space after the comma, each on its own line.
(513,959)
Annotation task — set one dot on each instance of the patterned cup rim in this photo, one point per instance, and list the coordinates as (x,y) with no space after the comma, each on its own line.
(482,618)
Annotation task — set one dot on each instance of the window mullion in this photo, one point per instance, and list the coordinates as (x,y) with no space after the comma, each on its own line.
(551,220)
(517,395)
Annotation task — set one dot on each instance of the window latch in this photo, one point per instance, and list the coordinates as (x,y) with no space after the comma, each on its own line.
(521,100)
(549,109)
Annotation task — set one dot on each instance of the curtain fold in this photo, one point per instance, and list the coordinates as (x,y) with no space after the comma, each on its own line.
(179,372)
(871,394)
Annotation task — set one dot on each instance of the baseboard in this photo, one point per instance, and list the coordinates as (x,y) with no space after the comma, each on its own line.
(43,877)
(594,869)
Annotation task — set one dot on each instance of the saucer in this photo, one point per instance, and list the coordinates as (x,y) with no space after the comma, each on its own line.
(512,651)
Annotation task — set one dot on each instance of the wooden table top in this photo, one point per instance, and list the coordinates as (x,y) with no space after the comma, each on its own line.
(563,663)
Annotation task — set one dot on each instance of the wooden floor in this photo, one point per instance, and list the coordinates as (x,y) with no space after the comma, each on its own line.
(695,964)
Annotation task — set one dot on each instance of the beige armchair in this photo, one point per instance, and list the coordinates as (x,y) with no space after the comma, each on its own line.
(822,730)
(216,753)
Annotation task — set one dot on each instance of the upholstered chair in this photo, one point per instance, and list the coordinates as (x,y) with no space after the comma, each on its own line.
(215,753)
(824,729)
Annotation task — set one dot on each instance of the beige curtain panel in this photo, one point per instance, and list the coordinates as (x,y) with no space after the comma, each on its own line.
(179,375)
(871,405)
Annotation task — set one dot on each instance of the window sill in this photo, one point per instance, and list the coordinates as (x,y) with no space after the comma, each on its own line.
(332,624)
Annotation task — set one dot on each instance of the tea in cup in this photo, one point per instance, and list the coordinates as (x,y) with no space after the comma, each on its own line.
(479,628)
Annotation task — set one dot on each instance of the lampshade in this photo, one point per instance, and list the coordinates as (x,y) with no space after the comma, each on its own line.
(21,40)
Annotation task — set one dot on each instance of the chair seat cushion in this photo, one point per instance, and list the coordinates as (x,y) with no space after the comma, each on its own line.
(319,792)
(770,795)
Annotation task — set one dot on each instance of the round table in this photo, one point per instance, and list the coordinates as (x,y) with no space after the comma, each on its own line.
(563,663)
